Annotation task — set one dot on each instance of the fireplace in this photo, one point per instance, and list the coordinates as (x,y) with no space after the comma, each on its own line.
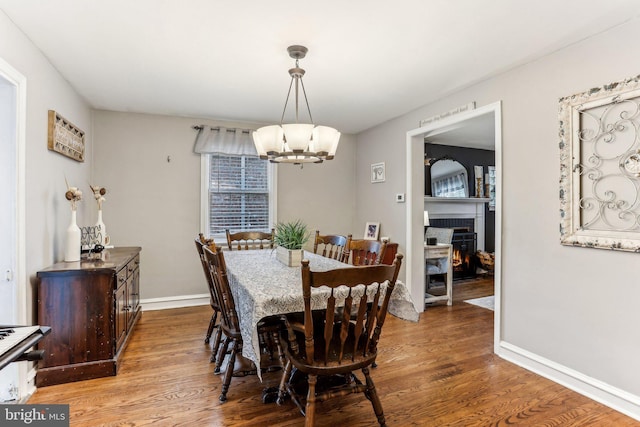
(464,244)
(464,254)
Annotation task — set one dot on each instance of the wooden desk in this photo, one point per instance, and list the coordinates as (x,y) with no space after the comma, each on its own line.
(439,251)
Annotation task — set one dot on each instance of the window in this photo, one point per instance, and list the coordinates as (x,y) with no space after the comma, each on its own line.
(239,194)
(451,186)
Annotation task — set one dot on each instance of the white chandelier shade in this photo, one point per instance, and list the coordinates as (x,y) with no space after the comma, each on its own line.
(268,139)
(296,142)
(298,136)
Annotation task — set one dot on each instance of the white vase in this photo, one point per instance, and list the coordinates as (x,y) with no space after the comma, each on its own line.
(103,229)
(72,248)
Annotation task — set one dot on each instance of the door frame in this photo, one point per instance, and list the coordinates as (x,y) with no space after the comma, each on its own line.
(16,78)
(415,265)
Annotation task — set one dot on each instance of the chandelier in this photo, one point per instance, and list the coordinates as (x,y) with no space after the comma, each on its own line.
(296,143)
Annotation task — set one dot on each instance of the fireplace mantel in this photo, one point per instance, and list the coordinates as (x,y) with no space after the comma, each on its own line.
(459,207)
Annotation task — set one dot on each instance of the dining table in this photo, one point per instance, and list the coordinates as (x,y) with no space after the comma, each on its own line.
(262,286)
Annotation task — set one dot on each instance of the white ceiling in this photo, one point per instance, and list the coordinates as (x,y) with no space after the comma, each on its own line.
(368,61)
(478,132)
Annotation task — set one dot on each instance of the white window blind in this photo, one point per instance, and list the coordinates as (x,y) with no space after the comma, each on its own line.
(238,194)
(451,186)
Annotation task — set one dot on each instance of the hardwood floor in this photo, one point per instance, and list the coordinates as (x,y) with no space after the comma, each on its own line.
(440,371)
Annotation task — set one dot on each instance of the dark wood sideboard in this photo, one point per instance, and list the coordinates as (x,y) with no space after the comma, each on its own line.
(92,307)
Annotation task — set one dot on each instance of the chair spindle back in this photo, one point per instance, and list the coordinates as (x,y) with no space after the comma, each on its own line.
(332,245)
(218,271)
(343,338)
(366,252)
(245,240)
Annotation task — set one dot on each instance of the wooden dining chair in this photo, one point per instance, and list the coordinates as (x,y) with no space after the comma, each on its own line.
(247,240)
(365,252)
(201,243)
(250,240)
(230,327)
(332,245)
(329,348)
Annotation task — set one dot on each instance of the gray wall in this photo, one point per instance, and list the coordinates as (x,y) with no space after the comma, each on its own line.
(47,211)
(155,204)
(570,312)
(322,195)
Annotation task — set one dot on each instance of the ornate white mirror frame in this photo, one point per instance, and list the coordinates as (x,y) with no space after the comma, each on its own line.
(600,167)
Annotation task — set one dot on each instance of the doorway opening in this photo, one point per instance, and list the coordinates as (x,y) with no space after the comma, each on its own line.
(13,378)
(415,265)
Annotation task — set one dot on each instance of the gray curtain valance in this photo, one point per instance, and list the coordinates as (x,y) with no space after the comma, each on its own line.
(211,140)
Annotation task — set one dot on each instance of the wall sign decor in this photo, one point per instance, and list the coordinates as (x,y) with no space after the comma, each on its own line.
(377,172)
(461,109)
(600,167)
(64,137)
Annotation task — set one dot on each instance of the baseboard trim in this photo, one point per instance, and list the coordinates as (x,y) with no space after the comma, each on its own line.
(179,301)
(615,398)
(30,383)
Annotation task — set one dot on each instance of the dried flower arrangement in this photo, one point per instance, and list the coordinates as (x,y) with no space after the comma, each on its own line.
(73,194)
(98,193)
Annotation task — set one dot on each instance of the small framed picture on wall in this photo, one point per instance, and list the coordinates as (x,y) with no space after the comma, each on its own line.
(371,231)
(377,172)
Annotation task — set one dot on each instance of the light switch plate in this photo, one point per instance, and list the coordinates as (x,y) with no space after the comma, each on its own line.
(400,198)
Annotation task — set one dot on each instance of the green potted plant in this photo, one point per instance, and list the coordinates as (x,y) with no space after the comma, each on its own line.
(289,238)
